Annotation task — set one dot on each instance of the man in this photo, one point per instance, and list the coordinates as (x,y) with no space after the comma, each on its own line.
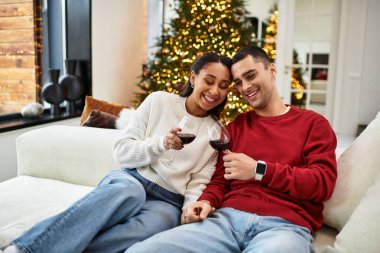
(268,191)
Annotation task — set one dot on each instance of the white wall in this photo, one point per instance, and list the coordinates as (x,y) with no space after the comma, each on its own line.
(118,48)
(260,8)
(357,90)
(8,158)
(154,29)
(369,103)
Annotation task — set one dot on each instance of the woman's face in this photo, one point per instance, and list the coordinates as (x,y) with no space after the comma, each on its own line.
(210,88)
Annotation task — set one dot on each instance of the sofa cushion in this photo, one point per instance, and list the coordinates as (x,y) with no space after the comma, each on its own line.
(26,200)
(100,119)
(102,105)
(73,154)
(358,167)
(361,232)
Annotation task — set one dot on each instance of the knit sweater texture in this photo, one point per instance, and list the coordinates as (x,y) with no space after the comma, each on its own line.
(186,171)
(299,150)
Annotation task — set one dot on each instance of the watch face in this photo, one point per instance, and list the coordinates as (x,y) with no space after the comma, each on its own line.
(261,168)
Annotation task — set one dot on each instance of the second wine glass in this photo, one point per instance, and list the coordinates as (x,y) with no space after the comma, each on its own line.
(219,137)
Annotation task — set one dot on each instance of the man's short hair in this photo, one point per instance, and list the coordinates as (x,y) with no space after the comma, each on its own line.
(256,52)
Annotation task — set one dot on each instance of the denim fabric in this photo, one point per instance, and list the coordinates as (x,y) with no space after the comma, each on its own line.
(230,230)
(123,209)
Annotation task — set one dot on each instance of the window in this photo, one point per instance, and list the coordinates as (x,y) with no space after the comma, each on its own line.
(20,54)
(59,29)
(263,17)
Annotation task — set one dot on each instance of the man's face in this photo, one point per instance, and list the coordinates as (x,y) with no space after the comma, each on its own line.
(255,83)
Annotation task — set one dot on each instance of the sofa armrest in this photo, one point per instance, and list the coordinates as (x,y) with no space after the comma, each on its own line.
(73,154)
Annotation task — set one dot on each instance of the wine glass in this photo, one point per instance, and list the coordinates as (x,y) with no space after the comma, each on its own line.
(186,138)
(219,137)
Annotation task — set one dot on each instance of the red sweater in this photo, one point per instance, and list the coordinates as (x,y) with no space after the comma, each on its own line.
(299,150)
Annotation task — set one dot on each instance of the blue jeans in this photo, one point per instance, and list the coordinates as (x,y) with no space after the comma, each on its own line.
(123,209)
(231,231)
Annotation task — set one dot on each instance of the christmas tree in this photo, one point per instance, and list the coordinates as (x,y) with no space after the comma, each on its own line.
(270,34)
(200,26)
(297,98)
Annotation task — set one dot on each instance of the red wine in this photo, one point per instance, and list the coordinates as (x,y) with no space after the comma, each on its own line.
(186,138)
(220,145)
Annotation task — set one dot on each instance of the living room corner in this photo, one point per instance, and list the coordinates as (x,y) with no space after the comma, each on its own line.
(48,158)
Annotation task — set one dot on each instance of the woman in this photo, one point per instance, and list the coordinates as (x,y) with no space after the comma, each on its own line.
(160,173)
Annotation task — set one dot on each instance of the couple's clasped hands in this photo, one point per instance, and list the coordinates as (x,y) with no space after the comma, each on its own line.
(237,166)
(196,211)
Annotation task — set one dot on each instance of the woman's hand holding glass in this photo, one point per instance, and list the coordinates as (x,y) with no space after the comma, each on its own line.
(171,139)
(175,139)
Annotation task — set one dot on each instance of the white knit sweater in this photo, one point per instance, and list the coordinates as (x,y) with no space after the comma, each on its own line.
(186,171)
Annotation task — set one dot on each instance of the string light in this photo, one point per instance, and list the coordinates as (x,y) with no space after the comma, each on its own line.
(201,26)
(269,46)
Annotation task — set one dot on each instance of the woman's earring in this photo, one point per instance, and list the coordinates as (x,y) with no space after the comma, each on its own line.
(192,85)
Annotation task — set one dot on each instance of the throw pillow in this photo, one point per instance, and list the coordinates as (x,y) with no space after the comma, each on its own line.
(358,167)
(361,233)
(102,105)
(100,119)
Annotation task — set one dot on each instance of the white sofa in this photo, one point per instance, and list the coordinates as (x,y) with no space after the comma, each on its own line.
(59,164)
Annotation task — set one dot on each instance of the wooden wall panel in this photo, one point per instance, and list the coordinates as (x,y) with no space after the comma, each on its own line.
(17,73)
(13,1)
(16,9)
(19,48)
(17,61)
(19,35)
(18,70)
(16,23)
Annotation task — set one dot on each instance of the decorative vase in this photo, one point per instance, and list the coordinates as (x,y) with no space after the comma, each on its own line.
(72,84)
(53,93)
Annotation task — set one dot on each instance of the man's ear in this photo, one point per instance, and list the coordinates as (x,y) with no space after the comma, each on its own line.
(272,69)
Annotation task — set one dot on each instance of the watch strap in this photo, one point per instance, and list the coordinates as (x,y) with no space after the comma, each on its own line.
(260,170)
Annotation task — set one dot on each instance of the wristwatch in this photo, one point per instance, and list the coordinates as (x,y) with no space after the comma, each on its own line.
(261,168)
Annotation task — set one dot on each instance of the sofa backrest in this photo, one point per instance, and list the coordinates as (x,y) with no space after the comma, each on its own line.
(354,206)
(358,168)
(73,154)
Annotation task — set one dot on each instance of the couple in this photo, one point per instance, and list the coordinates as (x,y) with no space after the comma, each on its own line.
(265,195)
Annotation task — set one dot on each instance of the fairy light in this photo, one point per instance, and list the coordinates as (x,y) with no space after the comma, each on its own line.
(270,47)
(200,26)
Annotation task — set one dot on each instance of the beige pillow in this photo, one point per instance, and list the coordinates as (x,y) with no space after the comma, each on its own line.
(361,233)
(358,166)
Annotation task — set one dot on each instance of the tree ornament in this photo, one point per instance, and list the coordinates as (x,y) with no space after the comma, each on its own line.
(199,26)
(146,85)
